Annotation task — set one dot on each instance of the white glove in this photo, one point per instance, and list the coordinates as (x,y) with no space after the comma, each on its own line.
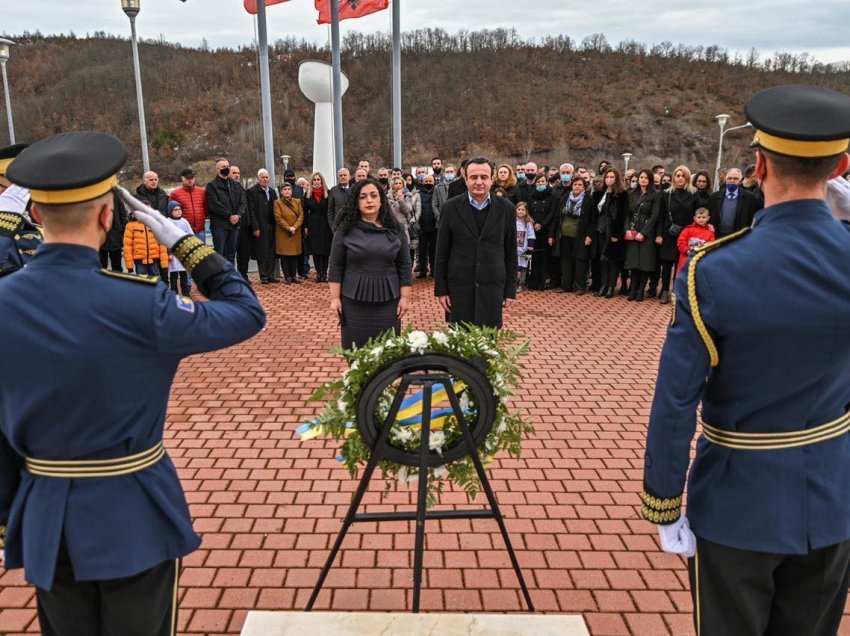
(677,538)
(838,198)
(164,231)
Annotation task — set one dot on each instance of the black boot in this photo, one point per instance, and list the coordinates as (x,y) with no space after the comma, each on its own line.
(602,291)
(609,293)
(633,292)
(639,297)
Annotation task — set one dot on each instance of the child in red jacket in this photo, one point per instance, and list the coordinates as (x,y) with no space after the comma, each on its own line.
(697,233)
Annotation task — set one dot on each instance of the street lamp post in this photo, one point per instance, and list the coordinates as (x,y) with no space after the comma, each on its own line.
(626,158)
(132,8)
(4,57)
(723,120)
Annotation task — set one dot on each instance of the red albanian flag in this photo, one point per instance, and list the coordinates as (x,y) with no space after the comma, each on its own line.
(251,5)
(349,8)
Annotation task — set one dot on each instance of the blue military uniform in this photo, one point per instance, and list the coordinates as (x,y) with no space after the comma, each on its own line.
(66,322)
(19,239)
(759,337)
(776,310)
(91,505)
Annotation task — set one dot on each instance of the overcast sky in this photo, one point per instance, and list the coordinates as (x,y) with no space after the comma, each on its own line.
(817,26)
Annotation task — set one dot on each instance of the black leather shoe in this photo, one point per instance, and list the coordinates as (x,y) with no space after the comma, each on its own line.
(624,289)
(664,298)
(264,281)
(274,280)
(602,291)
(651,292)
(639,297)
(609,293)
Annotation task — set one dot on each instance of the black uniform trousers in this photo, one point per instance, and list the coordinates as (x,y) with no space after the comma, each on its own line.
(740,592)
(141,605)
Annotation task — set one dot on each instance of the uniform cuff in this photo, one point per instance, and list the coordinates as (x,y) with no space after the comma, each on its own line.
(660,509)
(200,260)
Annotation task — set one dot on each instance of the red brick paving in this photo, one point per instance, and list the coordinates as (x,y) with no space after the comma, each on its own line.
(269,506)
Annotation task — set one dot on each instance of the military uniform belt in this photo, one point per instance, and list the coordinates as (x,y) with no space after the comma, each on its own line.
(777,441)
(77,468)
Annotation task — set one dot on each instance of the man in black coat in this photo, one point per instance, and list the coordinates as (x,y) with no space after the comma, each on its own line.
(458,186)
(338,196)
(249,228)
(261,197)
(149,192)
(476,263)
(732,208)
(227,206)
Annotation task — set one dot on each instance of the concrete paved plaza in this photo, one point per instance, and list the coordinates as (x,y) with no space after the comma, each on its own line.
(268,506)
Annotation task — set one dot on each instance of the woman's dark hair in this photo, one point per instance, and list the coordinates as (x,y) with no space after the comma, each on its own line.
(650,176)
(702,173)
(618,180)
(351,209)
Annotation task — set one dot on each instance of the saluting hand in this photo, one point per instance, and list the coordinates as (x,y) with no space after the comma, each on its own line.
(164,231)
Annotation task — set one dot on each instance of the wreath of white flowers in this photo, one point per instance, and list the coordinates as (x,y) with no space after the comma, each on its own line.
(500,353)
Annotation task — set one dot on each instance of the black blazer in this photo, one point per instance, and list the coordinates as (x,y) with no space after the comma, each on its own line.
(477,269)
(748,205)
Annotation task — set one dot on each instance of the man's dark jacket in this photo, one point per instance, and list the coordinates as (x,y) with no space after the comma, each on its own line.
(226,197)
(748,205)
(157,199)
(476,269)
(262,214)
(337,198)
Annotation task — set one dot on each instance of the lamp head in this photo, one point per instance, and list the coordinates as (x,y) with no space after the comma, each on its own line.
(131,7)
(722,120)
(285,160)
(4,49)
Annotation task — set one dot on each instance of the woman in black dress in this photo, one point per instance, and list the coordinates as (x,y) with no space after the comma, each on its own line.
(607,229)
(641,250)
(319,233)
(677,207)
(370,271)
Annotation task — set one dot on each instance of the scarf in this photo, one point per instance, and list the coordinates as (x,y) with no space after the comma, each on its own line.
(574,205)
(318,194)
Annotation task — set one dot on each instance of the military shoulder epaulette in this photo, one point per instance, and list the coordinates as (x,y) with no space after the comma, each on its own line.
(150,280)
(693,299)
(10,223)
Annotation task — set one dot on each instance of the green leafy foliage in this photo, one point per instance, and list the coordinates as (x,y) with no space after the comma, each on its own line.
(497,348)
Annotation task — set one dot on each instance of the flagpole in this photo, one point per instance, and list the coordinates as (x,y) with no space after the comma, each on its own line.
(265,89)
(397,83)
(336,62)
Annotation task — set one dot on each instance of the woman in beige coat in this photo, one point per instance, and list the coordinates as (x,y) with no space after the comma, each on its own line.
(288,218)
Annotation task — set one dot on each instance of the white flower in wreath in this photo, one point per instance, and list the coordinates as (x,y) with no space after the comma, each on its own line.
(355,365)
(436,441)
(402,433)
(440,472)
(341,405)
(440,338)
(376,352)
(465,403)
(417,341)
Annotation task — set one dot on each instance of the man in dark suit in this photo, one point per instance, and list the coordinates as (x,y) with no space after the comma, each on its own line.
(261,197)
(476,263)
(732,208)
(338,195)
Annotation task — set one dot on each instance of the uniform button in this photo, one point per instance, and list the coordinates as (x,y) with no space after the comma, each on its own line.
(17,237)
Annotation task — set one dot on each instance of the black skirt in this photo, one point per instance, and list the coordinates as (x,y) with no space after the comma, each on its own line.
(361,320)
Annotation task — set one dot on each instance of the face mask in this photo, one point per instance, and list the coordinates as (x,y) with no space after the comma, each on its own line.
(530,176)
(566,178)
(427,187)
(732,187)
(437,170)
(633,185)
(420,177)
(520,176)
(541,188)
(450,176)
(665,186)
(224,172)
(384,180)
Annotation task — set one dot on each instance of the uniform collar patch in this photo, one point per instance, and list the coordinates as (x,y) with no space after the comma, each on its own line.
(184,303)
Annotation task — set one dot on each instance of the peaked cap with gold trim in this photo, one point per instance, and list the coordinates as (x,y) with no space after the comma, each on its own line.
(800,121)
(69,168)
(7,156)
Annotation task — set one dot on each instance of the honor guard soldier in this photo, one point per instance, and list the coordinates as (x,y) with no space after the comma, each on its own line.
(760,335)
(19,237)
(90,503)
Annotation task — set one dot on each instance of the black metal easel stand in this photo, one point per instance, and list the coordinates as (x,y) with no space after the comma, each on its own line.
(426,381)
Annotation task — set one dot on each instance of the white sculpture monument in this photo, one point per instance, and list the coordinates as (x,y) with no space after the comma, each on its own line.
(316,80)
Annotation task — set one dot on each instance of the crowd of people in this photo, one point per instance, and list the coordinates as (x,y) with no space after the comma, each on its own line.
(579,229)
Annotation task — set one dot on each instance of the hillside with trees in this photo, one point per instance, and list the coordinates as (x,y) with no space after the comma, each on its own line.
(486,92)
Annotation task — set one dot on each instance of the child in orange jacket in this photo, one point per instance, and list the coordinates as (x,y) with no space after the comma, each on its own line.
(142,253)
(697,233)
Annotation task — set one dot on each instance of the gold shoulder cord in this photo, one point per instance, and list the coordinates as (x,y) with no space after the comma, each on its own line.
(714,356)
(150,280)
